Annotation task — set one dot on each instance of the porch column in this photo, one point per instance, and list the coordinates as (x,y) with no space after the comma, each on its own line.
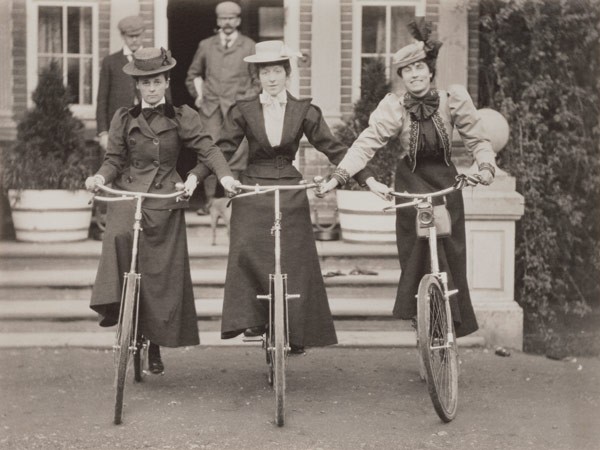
(6,77)
(291,36)
(161,24)
(326,62)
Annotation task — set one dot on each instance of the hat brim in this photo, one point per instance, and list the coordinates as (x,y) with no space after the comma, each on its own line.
(407,61)
(130,69)
(258,59)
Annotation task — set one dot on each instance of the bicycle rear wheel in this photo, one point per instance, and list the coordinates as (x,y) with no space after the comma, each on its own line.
(438,347)
(279,353)
(122,348)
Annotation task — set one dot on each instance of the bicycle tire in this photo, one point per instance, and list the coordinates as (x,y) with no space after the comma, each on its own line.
(122,348)
(439,356)
(279,352)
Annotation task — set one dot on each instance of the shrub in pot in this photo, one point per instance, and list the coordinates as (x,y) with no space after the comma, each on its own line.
(47,165)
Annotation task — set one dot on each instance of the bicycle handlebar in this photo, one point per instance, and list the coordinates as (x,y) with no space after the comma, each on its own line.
(131,195)
(258,189)
(461,182)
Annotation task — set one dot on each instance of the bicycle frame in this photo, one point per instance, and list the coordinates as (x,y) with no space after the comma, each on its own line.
(277,339)
(126,341)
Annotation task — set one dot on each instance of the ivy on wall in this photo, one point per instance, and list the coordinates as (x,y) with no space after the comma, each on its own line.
(539,66)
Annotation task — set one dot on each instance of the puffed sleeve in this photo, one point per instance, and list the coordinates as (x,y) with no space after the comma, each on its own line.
(233,132)
(194,137)
(384,123)
(319,135)
(469,125)
(116,156)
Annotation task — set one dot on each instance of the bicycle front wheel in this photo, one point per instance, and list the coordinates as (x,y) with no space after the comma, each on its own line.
(438,347)
(122,348)
(279,353)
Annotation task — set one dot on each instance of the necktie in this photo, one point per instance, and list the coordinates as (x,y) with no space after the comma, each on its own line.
(227,42)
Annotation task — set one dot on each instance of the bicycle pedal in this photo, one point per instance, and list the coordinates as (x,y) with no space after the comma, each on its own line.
(452,292)
(252,340)
(292,296)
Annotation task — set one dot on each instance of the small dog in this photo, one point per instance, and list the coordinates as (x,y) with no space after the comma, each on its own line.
(217,208)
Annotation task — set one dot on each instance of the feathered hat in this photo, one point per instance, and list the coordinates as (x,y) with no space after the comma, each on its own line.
(422,49)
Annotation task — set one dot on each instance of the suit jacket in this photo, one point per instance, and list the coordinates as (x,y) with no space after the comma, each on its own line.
(225,74)
(143,158)
(116,89)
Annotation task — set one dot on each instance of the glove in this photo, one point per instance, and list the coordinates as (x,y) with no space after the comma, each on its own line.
(92,183)
(230,184)
(379,189)
(326,187)
(190,185)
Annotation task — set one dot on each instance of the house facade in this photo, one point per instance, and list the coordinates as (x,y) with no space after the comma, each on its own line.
(336,37)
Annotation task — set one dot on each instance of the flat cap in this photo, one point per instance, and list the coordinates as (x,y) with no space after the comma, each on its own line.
(131,25)
(228,9)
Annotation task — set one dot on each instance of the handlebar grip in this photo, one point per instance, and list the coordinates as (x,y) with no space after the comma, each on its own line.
(179,186)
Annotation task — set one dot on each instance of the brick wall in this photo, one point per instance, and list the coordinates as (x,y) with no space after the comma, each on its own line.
(473,69)
(147,13)
(305,46)
(19,55)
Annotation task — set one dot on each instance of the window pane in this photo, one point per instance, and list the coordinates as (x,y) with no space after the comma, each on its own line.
(44,61)
(401,16)
(73,27)
(86,30)
(73,79)
(50,32)
(373,29)
(86,89)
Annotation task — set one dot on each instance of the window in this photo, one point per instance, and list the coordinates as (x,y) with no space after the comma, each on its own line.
(270,23)
(381,30)
(65,32)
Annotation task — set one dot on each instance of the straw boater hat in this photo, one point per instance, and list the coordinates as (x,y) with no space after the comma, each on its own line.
(131,25)
(271,51)
(149,61)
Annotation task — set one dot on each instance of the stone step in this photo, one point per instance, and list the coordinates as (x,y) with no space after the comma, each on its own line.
(78,309)
(105,339)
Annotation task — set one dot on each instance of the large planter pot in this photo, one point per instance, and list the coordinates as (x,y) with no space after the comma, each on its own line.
(52,215)
(362,218)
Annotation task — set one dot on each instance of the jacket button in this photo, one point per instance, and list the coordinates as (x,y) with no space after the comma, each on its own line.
(158,185)
(155,141)
(131,141)
(156,163)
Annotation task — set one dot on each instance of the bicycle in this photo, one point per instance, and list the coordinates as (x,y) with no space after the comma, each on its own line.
(276,342)
(436,342)
(128,341)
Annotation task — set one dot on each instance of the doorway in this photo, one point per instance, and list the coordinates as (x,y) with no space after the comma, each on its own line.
(190,21)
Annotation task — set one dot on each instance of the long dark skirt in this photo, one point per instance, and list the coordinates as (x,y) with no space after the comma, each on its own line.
(252,259)
(167,312)
(413,252)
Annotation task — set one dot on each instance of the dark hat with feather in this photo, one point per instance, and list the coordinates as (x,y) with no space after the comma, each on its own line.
(423,48)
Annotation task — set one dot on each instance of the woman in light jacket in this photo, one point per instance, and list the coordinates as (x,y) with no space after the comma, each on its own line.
(424,118)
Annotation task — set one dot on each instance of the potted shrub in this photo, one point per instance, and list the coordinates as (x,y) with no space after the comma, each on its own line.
(360,212)
(45,169)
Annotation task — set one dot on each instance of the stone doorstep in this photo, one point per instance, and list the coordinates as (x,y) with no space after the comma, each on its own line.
(85,278)
(79,309)
(105,340)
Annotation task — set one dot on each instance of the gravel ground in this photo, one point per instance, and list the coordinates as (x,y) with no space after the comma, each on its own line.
(337,398)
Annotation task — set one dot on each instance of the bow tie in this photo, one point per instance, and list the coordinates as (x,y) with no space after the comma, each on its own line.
(159,109)
(422,108)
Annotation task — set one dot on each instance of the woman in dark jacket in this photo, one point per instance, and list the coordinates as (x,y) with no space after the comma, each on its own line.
(143,147)
(274,123)
(424,117)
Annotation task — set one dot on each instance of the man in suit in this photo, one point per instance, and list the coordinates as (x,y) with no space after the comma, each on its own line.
(218,76)
(117,89)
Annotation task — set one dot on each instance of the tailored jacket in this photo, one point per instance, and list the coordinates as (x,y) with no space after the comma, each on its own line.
(245,118)
(115,89)
(224,71)
(144,159)
(390,118)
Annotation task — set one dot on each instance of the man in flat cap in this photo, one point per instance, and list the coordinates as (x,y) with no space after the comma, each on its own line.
(117,89)
(218,76)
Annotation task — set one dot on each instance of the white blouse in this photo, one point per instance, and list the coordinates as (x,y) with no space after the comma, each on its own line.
(273,113)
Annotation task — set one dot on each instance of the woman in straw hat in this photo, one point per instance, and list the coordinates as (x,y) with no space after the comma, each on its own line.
(424,118)
(143,146)
(274,122)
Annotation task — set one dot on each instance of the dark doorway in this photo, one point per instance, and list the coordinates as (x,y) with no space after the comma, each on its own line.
(190,21)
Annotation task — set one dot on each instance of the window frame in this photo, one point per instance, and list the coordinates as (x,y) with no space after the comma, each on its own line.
(82,111)
(357,54)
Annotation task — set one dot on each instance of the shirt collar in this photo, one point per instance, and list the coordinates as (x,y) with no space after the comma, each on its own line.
(267,99)
(232,37)
(127,51)
(147,105)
